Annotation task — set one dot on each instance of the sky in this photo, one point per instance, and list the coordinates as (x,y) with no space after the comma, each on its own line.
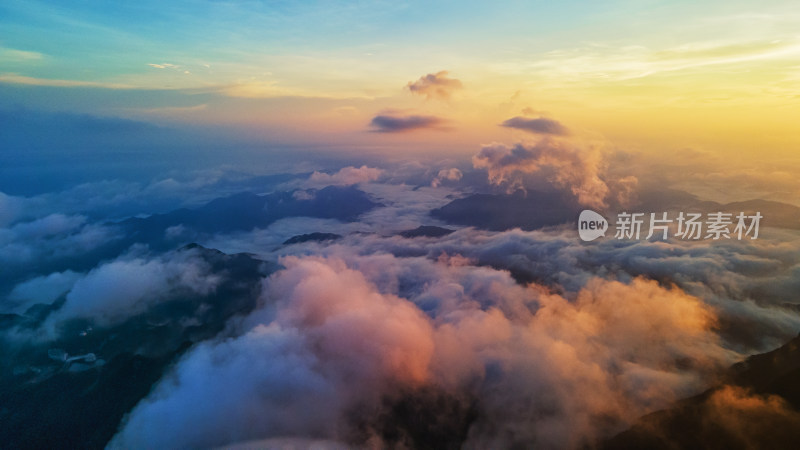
(649,76)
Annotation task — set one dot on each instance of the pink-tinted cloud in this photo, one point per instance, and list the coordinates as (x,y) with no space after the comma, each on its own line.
(435,86)
(335,344)
(578,171)
(451,174)
(345,176)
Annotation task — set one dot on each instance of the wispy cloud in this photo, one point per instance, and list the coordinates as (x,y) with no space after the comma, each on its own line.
(174,110)
(603,62)
(346,176)
(14,55)
(22,79)
(164,66)
(255,89)
(400,124)
(540,125)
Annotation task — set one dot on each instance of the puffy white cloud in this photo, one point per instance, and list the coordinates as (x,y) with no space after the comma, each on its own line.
(50,237)
(338,336)
(345,176)
(577,171)
(48,226)
(127,286)
(333,343)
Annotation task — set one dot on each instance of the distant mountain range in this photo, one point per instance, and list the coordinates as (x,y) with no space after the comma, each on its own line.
(239,212)
(312,237)
(245,211)
(426,231)
(534,210)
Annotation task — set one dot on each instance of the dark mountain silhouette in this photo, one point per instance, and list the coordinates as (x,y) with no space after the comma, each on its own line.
(312,237)
(756,405)
(245,211)
(499,212)
(426,231)
(534,210)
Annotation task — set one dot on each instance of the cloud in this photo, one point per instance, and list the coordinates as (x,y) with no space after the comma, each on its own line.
(262,89)
(21,79)
(357,333)
(11,208)
(115,199)
(175,110)
(164,66)
(731,414)
(528,111)
(314,352)
(751,284)
(43,289)
(518,338)
(401,124)
(51,237)
(406,206)
(435,86)
(345,176)
(577,171)
(753,419)
(539,126)
(635,62)
(10,54)
(127,286)
(451,174)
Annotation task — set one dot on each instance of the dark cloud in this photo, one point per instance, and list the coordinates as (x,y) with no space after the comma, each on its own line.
(540,126)
(435,85)
(400,124)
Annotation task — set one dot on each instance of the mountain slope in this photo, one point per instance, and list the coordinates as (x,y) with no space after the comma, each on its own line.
(757,405)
